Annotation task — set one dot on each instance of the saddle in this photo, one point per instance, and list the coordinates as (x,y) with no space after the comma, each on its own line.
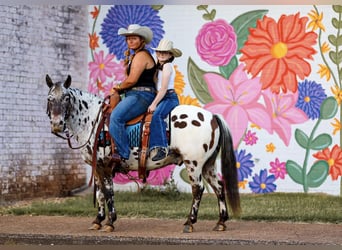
(102,137)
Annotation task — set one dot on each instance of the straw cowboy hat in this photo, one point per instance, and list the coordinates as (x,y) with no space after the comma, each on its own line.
(167,45)
(136,29)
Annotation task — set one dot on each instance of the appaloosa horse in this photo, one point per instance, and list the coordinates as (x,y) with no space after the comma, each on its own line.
(197,136)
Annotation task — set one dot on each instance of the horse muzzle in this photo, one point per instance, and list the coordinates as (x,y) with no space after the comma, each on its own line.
(57,127)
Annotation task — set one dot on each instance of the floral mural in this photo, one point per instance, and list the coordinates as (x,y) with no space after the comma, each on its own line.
(275,76)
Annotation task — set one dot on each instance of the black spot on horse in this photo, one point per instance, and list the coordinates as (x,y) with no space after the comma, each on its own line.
(174,118)
(196,123)
(200,116)
(80,106)
(85,104)
(180,124)
(183,116)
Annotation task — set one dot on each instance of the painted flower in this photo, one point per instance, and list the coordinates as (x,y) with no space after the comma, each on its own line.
(277,51)
(121,16)
(188,100)
(278,169)
(270,147)
(337,126)
(325,48)
(284,113)
(250,138)
(337,94)
(316,20)
(95,12)
(237,100)
(156,177)
(244,164)
(311,95)
(93,41)
(324,71)
(102,66)
(179,81)
(263,183)
(216,43)
(334,160)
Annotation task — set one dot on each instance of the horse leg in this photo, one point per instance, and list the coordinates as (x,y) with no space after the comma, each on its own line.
(197,192)
(109,198)
(210,175)
(96,224)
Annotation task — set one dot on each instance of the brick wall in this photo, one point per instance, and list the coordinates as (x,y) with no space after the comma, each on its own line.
(34,41)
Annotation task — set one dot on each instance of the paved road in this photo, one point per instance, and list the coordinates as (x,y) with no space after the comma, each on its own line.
(60,230)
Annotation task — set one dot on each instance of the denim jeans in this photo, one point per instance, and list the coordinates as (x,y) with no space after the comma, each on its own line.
(134,104)
(158,126)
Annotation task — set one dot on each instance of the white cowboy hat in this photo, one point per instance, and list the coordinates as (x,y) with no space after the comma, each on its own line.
(167,45)
(136,29)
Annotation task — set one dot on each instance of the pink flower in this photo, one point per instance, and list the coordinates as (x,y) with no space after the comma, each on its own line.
(216,43)
(102,67)
(156,177)
(284,113)
(250,138)
(278,169)
(236,100)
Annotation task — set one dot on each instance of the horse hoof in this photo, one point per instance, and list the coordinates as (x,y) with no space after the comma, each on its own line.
(107,229)
(219,227)
(188,229)
(95,227)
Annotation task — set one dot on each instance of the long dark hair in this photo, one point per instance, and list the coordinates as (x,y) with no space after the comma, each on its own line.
(160,66)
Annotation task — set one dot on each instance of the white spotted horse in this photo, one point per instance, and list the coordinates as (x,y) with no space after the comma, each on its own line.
(198,139)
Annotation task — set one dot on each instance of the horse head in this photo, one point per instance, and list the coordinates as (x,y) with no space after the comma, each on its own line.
(58,104)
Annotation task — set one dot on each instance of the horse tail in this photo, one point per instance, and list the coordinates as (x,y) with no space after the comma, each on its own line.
(228,166)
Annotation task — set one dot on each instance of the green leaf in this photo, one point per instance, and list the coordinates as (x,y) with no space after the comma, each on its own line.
(207,17)
(332,39)
(202,7)
(243,22)
(336,23)
(320,142)
(157,7)
(184,175)
(197,83)
(295,172)
(227,70)
(318,173)
(301,138)
(329,108)
(337,8)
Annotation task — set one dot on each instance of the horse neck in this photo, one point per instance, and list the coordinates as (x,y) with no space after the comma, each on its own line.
(83,115)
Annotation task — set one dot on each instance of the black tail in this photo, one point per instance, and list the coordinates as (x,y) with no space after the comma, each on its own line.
(228,166)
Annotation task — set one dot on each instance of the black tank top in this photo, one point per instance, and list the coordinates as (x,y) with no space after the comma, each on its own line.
(146,78)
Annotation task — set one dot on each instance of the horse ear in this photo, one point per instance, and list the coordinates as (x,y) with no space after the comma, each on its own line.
(67,82)
(49,81)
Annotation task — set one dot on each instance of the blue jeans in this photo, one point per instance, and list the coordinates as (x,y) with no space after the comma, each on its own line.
(134,104)
(158,126)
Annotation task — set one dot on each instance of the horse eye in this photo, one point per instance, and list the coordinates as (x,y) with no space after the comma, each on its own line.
(66,98)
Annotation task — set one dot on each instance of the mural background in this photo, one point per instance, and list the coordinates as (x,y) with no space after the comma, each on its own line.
(273,72)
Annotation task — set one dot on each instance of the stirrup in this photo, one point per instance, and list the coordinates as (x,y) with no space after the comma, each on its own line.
(161,154)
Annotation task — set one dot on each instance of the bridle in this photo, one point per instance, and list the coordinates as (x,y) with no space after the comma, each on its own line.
(65,129)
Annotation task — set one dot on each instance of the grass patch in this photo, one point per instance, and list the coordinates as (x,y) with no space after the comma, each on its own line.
(296,207)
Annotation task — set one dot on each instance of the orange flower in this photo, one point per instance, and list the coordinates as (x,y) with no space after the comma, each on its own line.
(333,158)
(93,41)
(324,71)
(278,51)
(188,100)
(95,13)
(179,81)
